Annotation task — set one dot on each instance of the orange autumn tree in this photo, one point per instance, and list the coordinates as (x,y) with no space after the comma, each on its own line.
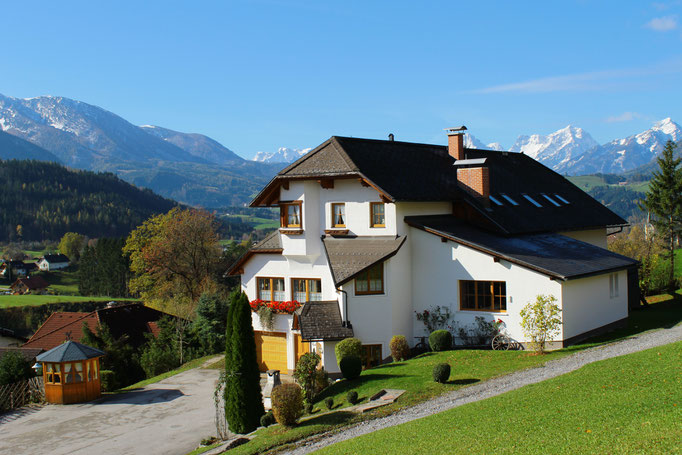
(174,258)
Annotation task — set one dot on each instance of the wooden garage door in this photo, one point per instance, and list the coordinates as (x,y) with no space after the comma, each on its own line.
(301,347)
(271,349)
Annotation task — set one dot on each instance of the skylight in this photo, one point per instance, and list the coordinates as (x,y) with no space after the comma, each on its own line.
(511,201)
(495,200)
(551,200)
(561,199)
(532,201)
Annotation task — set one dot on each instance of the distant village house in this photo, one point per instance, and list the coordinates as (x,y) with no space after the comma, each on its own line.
(53,262)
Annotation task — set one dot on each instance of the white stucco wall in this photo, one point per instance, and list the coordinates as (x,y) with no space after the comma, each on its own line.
(596,237)
(437,268)
(588,305)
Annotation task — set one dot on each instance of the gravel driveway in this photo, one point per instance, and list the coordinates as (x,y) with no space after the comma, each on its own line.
(496,386)
(169,417)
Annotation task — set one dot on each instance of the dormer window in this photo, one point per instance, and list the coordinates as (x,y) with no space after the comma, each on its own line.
(377,215)
(339,215)
(290,214)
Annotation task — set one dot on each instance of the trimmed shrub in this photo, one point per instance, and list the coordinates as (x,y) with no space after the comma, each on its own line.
(306,374)
(400,350)
(267,419)
(287,404)
(441,373)
(308,407)
(440,340)
(351,367)
(321,380)
(107,380)
(352,397)
(349,346)
(14,368)
(329,402)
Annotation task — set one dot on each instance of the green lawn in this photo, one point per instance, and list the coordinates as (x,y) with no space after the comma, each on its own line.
(7,301)
(64,282)
(255,222)
(623,405)
(678,262)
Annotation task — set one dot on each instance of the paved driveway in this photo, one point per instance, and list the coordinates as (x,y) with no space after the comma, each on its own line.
(169,417)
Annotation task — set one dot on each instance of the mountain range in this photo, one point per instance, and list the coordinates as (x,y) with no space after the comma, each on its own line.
(197,170)
(573,151)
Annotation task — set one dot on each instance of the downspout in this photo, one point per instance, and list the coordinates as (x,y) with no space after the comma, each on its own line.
(616,232)
(345,323)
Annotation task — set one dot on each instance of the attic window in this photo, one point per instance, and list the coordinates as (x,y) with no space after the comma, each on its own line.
(532,201)
(511,201)
(496,201)
(561,199)
(551,200)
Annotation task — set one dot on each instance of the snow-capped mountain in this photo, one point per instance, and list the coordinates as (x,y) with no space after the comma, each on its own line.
(282,155)
(470,141)
(557,148)
(196,145)
(621,155)
(83,135)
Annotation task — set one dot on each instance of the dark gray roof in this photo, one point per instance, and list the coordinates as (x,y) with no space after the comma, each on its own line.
(348,257)
(322,321)
(405,171)
(554,255)
(56,258)
(71,351)
(272,241)
(271,244)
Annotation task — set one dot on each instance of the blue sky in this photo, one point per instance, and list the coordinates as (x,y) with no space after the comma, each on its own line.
(258,75)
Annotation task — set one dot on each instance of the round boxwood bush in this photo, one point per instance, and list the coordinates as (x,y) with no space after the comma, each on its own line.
(329,402)
(267,419)
(440,340)
(352,397)
(287,403)
(351,366)
(400,350)
(349,346)
(441,373)
(107,380)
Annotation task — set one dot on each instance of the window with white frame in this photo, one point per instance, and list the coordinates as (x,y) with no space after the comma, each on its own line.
(613,285)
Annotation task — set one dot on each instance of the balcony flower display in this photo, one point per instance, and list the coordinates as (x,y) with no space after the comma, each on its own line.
(287,307)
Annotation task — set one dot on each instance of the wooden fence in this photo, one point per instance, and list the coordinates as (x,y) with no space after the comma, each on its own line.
(13,396)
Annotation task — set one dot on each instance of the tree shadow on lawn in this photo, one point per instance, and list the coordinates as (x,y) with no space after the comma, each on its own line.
(142,397)
(465,381)
(332,418)
(345,385)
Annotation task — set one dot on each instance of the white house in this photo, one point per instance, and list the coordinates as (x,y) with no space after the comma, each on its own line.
(374,231)
(53,262)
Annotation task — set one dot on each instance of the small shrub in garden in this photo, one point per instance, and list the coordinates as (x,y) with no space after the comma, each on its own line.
(541,320)
(349,346)
(321,380)
(287,404)
(108,380)
(400,350)
(308,407)
(441,373)
(267,419)
(329,402)
(352,397)
(306,374)
(351,367)
(440,340)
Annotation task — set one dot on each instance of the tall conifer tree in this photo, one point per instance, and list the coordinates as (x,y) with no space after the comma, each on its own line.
(243,397)
(664,201)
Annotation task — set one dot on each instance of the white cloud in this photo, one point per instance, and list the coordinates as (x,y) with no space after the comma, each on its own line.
(624,117)
(662,24)
(590,81)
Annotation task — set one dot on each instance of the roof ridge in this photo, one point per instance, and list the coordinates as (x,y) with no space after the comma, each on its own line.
(305,157)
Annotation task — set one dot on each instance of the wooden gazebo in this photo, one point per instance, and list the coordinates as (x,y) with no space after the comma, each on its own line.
(71,373)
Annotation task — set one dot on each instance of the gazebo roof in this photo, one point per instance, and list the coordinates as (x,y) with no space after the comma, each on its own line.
(70,351)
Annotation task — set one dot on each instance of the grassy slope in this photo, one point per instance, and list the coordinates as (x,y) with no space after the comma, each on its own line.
(468,367)
(623,405)
(7,301)
(184,367)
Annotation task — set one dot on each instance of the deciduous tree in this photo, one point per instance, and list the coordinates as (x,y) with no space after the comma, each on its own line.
(174,258)
(71,245)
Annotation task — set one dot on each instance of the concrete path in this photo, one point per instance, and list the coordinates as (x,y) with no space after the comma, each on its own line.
(495,387)
(169,417)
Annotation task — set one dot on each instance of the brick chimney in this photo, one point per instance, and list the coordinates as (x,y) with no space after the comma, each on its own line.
(456,142)
(475,179)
